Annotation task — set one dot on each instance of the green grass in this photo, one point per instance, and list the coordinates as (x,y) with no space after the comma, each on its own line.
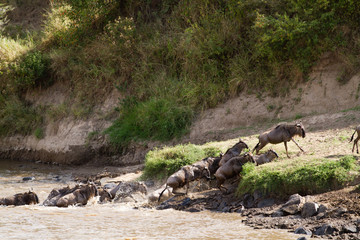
(18,118)
(357,108)
(157,119)
(316,176)
(161,163)
(39,133)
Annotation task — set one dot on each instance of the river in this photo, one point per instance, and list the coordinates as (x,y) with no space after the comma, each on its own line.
(106,221)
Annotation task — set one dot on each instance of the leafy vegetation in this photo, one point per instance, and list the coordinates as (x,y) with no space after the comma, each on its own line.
(29,70)
(156,119)
(17,118)
(173,58)
(161,163)
(310,178)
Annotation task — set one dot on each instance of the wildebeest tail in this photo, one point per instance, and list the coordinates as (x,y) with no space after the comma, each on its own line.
(352,137)
(162,193)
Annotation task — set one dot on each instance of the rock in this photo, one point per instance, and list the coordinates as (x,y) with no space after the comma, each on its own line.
(125,191)
(321,215)
(222,206)
(193,210)
(257,195)
(302,238)
(309,209)
(277,213)
(302,230)
(110,185)
(26,179)
(149,183)
(284,225)
(57,178)
(154,196)
(322,208)
(325,230)
(226,209)
(294,204)
(266,203)
(349,228)
(340,211)
(238,209)
(248,201)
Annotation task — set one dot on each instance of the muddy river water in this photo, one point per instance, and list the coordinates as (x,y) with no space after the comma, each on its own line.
(106,221)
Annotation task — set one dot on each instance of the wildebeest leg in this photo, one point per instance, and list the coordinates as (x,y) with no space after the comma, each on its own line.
(187,187)
(353,146)
(297,145)
(258,147)
(208,173)
(220,187)
(285,143)
(178,193)
(357,146)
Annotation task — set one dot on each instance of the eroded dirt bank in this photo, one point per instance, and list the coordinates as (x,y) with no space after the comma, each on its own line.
(317,103)
(327,137)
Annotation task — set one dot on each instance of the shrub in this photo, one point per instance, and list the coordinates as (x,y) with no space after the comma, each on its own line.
(30,69)
(161,163)
(303,179)
(18,118)
(39,133)
(157,119)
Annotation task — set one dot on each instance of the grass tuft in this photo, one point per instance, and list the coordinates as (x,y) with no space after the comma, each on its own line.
(156,119)
(161,163)
(314,177)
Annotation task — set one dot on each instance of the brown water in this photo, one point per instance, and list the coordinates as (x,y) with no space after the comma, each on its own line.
(107,221)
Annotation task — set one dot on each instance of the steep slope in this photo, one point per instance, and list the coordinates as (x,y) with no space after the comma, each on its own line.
(66,141)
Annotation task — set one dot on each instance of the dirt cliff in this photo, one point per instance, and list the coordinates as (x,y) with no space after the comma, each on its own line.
(66,140)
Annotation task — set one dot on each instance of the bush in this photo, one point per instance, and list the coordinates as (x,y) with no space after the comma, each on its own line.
(307,179)
(39,133)
(161,163)
(30,69)
(157,119)
(17,118)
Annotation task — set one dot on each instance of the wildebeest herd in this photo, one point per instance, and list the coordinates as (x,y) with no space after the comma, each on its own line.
(230,164)
(226,166)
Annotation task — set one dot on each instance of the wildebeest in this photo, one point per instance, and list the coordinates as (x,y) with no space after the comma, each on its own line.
(233,152)
(357,130)
(281,133)
(26,198)
(78,195)
(179,179)
(265,157)
(207,165)
(232,168)
(203,168)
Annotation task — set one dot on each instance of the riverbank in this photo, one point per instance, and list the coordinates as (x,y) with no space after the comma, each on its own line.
(337,213)
(327,137)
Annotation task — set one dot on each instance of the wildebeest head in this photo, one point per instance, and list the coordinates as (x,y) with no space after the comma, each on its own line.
(300,130)
(273,152)
(92,189)
(214,165)
(241,144)
(248,157)
(30,198)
